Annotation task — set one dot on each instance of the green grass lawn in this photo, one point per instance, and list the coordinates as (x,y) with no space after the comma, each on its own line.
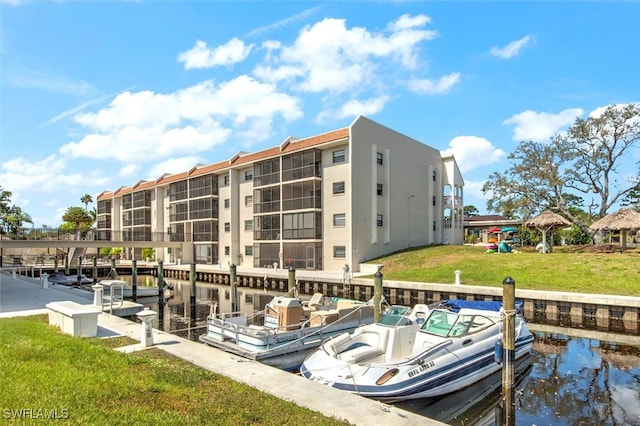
(573,269)
(88,383)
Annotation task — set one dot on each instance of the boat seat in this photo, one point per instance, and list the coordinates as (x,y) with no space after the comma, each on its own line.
(319,318)
(360,354)
(316,300)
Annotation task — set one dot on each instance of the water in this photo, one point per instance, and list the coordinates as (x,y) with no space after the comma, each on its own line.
(571,379)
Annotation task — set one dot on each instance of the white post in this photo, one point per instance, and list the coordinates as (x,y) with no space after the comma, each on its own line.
(146,335)
(97,295)
(45,280)
(13,274)
(458,277)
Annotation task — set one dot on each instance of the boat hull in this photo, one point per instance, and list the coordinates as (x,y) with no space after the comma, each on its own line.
(290,332)
(415,380)
(415,361)
(284,350)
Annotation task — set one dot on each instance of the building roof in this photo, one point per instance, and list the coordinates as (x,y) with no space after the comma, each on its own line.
(290,145)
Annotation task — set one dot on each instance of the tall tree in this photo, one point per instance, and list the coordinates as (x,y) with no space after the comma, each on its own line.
(86,199)
(5,206)
(15,219)
(11,217)
(583,161)
(594,147)
(632,199)
(470,211)
(77,216)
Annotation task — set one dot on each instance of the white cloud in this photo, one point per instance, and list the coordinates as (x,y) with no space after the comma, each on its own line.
(42,179)
(600,110)
(473,189)
(201,56)
(76,109)
(433,87)
(328,56)
(472,152)
(407,21)
(129,170)
(354,108)
(541,126)
(285,22)
(511,49)
(49,82)
(172,166)
(147,126)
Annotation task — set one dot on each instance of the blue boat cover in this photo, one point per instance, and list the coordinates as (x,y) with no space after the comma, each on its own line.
(485,305)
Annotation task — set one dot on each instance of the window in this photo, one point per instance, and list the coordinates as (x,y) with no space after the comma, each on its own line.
(339,219)
(227,203)
(379,220)
(227,250)
(248,200)
(227,227)
(379,158)
(434,175)
(338,156)
(434,225)
(248,250)
(338,188)
(379,189)
(339,251)
(434,200)
(226,180)
(248,175)
(248,225)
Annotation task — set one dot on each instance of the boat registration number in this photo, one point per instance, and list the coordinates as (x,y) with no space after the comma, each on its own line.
(422,368)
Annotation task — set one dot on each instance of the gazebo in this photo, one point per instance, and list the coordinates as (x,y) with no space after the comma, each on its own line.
(545,221)
(622,220)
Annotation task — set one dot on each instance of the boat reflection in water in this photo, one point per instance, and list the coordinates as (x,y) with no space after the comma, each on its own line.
(478,404)
(571,381)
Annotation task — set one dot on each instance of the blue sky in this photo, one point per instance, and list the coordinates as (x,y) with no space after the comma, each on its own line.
(99,95)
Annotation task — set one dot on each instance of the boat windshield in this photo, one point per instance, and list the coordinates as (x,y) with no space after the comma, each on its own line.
(450,324)
(394,316)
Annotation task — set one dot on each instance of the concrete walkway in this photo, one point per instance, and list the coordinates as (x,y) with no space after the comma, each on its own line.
(25,296)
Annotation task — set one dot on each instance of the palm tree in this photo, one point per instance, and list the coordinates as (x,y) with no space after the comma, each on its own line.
(86,199)
(77,216)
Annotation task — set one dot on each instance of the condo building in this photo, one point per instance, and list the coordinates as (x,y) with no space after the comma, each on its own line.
(339,198)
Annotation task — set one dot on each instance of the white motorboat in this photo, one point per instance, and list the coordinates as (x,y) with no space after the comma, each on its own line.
(291,330)
(425,352)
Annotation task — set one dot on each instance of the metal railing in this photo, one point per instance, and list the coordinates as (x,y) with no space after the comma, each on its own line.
(108,236)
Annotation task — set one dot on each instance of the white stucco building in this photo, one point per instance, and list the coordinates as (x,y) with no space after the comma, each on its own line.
(341,197)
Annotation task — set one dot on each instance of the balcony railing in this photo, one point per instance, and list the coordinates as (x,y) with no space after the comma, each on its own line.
(35,234)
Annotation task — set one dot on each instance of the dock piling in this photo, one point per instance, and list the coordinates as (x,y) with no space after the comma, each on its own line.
(79,271)
(508,337)
(95,270)
(160,294)
(377,295)
(134,280)
(192,281)
(233,285)
(291,287)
